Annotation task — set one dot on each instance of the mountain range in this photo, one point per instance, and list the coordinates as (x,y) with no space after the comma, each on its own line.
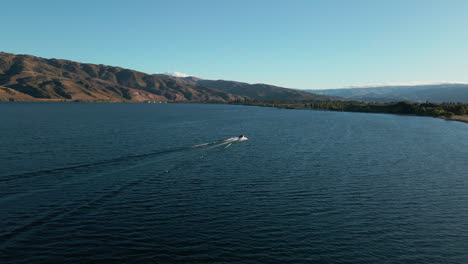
(30,78)
(436,93)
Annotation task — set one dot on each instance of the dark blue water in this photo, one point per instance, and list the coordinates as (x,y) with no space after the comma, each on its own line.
(122,183)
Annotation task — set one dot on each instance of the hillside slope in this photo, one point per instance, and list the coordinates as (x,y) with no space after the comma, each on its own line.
(30,78)
(26,78)
(252,91)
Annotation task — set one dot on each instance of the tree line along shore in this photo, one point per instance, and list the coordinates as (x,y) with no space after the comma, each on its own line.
(450,111)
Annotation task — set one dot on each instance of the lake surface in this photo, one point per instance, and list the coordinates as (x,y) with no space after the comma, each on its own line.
(130,183)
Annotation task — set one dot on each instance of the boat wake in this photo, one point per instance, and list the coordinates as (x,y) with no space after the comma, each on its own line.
(106,179)
(219,143)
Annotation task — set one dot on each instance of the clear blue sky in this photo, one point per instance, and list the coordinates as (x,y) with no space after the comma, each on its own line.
(296,43)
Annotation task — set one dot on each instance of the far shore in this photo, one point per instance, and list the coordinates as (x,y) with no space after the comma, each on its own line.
(459,118)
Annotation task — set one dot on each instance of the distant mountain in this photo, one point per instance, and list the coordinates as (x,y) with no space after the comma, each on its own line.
(437,93)
(253,91)
(30,78)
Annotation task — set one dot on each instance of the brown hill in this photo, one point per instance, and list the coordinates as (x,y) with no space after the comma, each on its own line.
(257,91)
(30,78)
(260,91)
(26,78)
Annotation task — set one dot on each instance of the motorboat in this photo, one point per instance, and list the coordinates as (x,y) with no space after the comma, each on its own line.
(242,138)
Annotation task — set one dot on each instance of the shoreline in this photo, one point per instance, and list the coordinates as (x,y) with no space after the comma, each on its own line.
(458,118)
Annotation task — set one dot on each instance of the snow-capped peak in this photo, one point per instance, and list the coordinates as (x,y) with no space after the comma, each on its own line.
(176,74)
